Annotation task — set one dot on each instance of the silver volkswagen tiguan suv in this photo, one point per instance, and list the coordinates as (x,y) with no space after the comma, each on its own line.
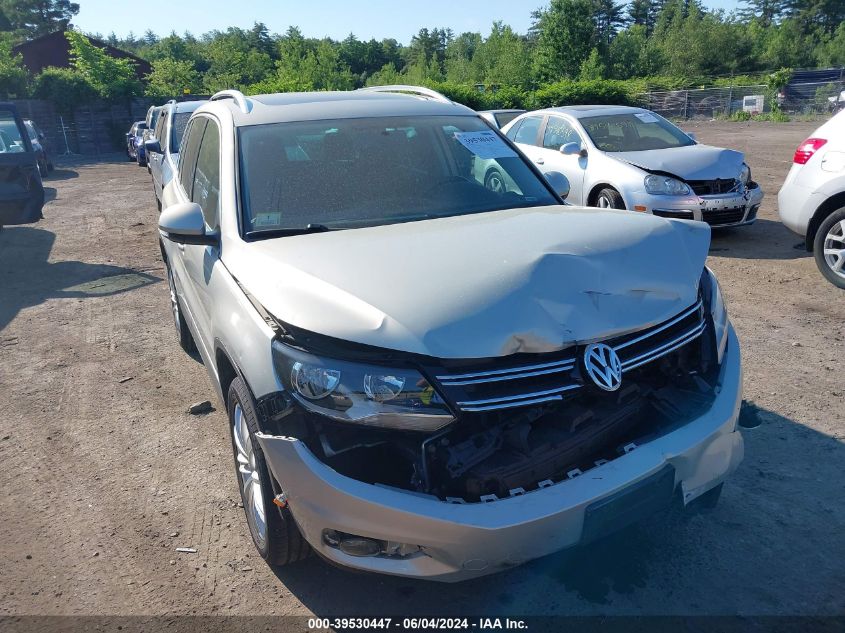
(426,377)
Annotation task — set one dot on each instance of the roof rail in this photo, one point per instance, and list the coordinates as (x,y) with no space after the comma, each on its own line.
(237,95)
(414,90)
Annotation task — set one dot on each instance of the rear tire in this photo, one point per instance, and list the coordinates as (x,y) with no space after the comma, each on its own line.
(273,529)
(829,248)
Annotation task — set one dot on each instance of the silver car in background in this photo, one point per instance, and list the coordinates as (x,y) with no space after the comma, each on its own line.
(162,147)
(630,158)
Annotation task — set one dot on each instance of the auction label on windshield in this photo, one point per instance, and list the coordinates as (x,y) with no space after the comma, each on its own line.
(485,144)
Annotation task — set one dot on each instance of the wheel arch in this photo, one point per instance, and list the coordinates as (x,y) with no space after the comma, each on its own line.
(834,202)
(227,370)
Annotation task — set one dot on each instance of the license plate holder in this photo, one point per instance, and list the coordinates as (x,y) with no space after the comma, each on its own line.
(629,505)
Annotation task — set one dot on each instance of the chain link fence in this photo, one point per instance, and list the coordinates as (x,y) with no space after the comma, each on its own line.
(799,97)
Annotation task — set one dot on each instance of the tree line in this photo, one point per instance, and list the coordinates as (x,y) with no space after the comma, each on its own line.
(577,46)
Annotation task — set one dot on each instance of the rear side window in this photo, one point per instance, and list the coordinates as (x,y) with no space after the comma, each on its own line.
(11,140)
(206,188)
(527,133)
(177,130)
(161,128)
(188,158)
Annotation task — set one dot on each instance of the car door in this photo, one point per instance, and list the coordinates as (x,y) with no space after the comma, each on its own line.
(178,253)
(558,131)
(200,260)
(156,159)
(21,190)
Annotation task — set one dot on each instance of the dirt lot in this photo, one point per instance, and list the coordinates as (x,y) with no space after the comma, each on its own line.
(104,473)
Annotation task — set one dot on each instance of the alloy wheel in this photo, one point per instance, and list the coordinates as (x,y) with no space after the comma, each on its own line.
(174,301)
(248,477)
(834,248)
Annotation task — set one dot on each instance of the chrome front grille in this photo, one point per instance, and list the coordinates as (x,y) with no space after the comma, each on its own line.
(496,386)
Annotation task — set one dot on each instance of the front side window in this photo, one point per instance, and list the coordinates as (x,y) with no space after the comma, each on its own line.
(350,173)
(633,132)
(559,132)
(160,127)
(30,129)
(11,140)
(527,133)
(206,187)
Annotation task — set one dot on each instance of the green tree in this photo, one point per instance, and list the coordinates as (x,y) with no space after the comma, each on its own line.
(111,77)
(592,68)
(33,18)
(14,80)
(567,34)
(172,77)
(502,59)
(65,88)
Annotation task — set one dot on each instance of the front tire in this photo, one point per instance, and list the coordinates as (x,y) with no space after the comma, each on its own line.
(183,333)
(273,530)
(609,198)
(829,248)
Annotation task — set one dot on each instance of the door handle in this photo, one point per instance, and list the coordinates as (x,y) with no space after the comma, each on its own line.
(181,247)
(539,161)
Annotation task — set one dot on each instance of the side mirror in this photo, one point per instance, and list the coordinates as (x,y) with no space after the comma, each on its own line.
(570,148)
(692,136)
(184,224)
(152,145)
(559,183)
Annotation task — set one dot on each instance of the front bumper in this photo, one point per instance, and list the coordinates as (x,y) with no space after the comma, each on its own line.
(734,209)
(461,541)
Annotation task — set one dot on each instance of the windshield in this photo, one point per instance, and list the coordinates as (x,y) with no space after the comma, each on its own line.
(633,132)
(180,122)
(349,173)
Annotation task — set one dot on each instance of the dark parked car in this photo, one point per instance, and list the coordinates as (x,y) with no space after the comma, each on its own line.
(37,138)
(135,143)
(21,190)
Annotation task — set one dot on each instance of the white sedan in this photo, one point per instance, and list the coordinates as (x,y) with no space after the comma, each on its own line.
(630,158)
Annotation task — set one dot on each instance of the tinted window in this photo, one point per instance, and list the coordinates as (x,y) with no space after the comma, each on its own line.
(633,132)
(503,118)
(160,128)
(206,188)
(10,135)
(188,158)
(559,132)
(362,172)
(180,122)
(527,132)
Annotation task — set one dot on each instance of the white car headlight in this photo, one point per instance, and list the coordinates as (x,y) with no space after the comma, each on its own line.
(664,185)
(372,395)
(718,311)
(745,174)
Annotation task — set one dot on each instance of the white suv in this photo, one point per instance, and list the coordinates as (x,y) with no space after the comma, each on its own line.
(424,376)
(812,200)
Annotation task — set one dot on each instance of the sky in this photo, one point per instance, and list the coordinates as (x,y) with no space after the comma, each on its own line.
(399,19)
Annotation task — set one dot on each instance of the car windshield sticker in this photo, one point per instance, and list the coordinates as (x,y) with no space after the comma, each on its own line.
(485,144)
(273,218)
(646,117)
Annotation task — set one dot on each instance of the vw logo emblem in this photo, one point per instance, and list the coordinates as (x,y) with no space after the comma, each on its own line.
(603,366)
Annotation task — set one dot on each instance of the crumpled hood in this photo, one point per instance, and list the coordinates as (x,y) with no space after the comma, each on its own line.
(693,162)
(484,285)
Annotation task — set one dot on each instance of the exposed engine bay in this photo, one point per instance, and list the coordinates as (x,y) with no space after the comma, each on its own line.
(483,456)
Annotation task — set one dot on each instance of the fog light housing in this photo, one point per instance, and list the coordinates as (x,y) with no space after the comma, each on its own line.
(360,546)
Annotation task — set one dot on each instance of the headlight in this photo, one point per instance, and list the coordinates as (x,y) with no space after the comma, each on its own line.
(373,395)
(718,311)
(664,185)
(745,174)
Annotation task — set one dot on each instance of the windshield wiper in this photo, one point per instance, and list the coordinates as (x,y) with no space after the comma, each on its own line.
(285,232)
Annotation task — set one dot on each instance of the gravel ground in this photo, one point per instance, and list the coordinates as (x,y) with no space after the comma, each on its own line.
(104,473)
